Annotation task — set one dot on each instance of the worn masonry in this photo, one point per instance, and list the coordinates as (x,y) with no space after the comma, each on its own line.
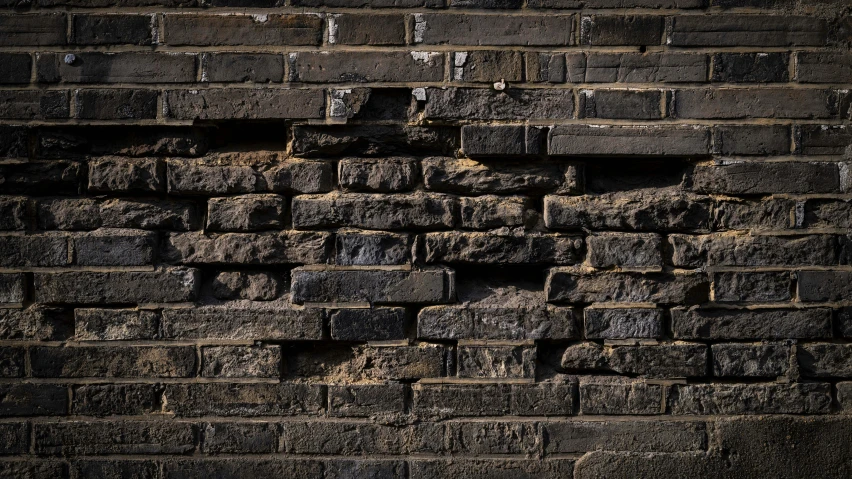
(425,239)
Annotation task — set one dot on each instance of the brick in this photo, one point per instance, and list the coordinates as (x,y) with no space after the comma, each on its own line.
(484,468)
(383,175)
(241,361)
(206,178)
(246,285)
(374,211)
(366,248)
(498,437)
(300,177)
(545,67)
(768,360)
(751,140)
(14,214)
(502,248)
(824,285)
(495,361)
(43,177)
(502,4)
(339,438)
(844,394)
(13,141)
(636,436)
(12,287)
(241,29)
(603,67)
(80,287)
(373,29)
(124,104)
(34,105)
(33,250)
(621,104)
(113,362)
(746,250)
(621,30)
(751,103)
(245,213)
(631,211)
(502,140)
(35,323)
(243,103)
(827,214)
(226,323)
(348,67)
(620,465)
(115,467)
(378,362)
(378,286)
(115,399)
(767,178)
(823,67)
(365,400)
(18,29)
(618,395)
(114,247)
(751,323)
(617,140)
(376,324)
(285,247)
(746,30)
(551,4)
(671,360)
(247,399)
(738,214)
(623,323)
(15,68)
(114,437)
(24,399)
(766,398)
(229,437)
(490,211)
(130,67)
(12,362)
(750,67)
(757,287)
(822,139)
(474,177)
(487,66)
(625,250)
(438,29)
(482,104)
(824,360)
(112,29)
(573,286)
(14,438)
(373,140)
(125,175)
(243,67)
(457,400)
(178,468)
(149,214)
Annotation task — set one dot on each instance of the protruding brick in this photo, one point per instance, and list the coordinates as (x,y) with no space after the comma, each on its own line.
(765,398)
(668,360)
(254,399)
(113,362)
(496,361)
(472,177)
(375,324)
(501,248)
(241,361)
(126,175)
(374,211)
(114,324)
(245,213)
(569,285)
(751,323)
(750,360)
(434,285)
(623,323)
(161,286)
(642,211)
(379,175)
(226,323)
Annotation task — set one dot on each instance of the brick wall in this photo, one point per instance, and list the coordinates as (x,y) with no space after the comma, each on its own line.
(425,238)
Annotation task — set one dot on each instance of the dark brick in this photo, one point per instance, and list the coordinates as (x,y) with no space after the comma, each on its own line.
(623,104)
(366,400)
(473,177)
(112,29)
(35,323)
(376,324)
(68,214)
(750,360)
(12,362)
(751,140)
(102,67)
(243,103)
(383,175)
(113,361)
(124,104)
(635,436)
(239,438)
(746,30)
(618,395)
(764,323)
(283,323)
(34,250)
(373,140)
(241,29)
(360,29)
(114,437)
(482,104)
(757,250)
(573,286)
(12,287)
(824,285)
(161,286)
(254,399)
(642,211)
(15,68)
(14,438)
(621,30)
(33,400)
(617,140)
(241,361)
(114,247)
(243,67)
(487,66)
(597,67)
(766,398)
(18,29)
(750,67)
(139,469)
(741,178)
(822,139)
(349,67)
(115,399)
(823,67)
(500,248)
(34,104)
(524,30)
(754,103)
(667,360)
(623,323)
(757,287)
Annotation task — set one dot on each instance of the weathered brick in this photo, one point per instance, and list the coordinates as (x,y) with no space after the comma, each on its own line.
(376,286)
(241,361)
(373,140)
(115,399)
(501,248)
(622,104)
(824,285)
(751,140)
(247,399)
(373,29)
(824,360)
(380,362)
(149,214)
(496,361)
(285,247)
(295,177)
(114,247)
(484,468)
(750,67)
(123,104)
(14,438)
(161,286)
(34,104)
(112,29)
(758,287)
(366,248)
(668,360)
(487,66)
(12,287)
(767,178)
(746,30)
(255,286)
(103,67)
(622,465)
(15,68)
(457,400)
(575,286)
(490,211)
(482,104)
(643,210)
(472,177)
(823,67)
(383,175)
(14,213)
(770,214)
(18,29)
(113,361)
(621,30)
(374,211)
(42,177)
(125,175)
(498,437)
(181,468)
(34,250)
(365,400)
(348,67)
(625,250)
(822,139)
(12,362)
(243,67)
(623,323)
(827,214)
(241,29)
(734,103)
(27,399)
(245,213)
(502,140)
(545,67)
(209,178)
(236,438)
(340,438)
(618,395)
(227,323)
(35,323)
(244,103)
(620,140)
(765,398)
(525,30)
(750,360)
(552,4)
(114,437)
(747,250)
(603,67)
(375,324)
(636,436)
(765,323)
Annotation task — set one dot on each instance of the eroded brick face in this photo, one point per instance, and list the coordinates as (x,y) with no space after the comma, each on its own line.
(425,239)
